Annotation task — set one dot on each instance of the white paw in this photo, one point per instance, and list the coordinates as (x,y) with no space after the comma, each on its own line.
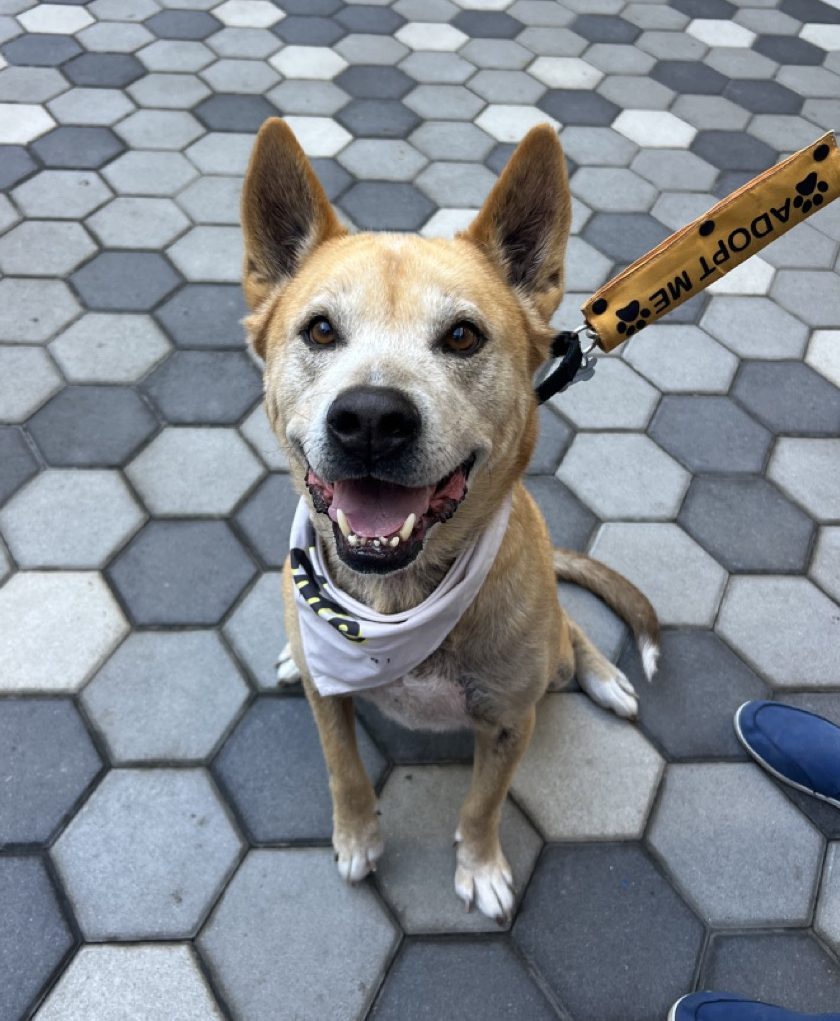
(614,692)
(487,885)
(287,671)
(356,854)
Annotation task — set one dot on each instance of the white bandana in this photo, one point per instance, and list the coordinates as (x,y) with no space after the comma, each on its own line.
(349,647)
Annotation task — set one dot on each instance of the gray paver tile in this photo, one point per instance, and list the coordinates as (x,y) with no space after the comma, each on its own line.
(456,184)
(114,37)
(165,696)
(266,519)
(27,378)
(824,354)
(256,630)
(419,806)
(73,147)
(205,315)
(48,761)
(209,254)
(681,359)
(256,43)
(204,387)
(105,70)
(147,854)
(755,327)
(70,519)
(221,153)
(615,398)
(213,200)
(297,889)
(41,50)
(182,24)
(129,222)
(150,173)
(55,629)
(315,98)
(810,295)
(16,164)
(570,523)
(825,567)
(32,84)
(17,463)
(828,908)
(240,76)
(801,248)
(371,82)
(789,398)
(553,439)
(45,247)
(386,206)
(647,93)
(765,855)
(613,189)
(805,470)
(448,140)
(646,552)
(234,112)
(600,146)
(111,982)
(601,625)
(125,281)
(159,129)
(309,31)
(439,68)
(175,55)
(711,112)
(168,91)
(61,194)
(624,236)
(107,348)
(381,159)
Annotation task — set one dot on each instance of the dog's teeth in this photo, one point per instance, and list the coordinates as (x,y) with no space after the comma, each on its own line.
(395,542)
(353,539)
(408,527)
(343,523)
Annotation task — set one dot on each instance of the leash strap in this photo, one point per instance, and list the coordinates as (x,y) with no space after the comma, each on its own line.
(566,347)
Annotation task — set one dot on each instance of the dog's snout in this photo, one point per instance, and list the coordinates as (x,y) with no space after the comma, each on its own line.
(373,422)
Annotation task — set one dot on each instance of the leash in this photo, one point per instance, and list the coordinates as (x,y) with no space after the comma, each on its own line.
(685,263)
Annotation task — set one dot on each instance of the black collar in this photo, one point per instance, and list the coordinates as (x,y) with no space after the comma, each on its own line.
(566,347)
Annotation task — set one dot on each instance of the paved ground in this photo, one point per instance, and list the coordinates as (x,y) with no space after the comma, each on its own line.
(164,820)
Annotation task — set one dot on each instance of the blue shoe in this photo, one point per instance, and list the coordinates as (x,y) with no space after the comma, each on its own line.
(729,1007)
(797,747)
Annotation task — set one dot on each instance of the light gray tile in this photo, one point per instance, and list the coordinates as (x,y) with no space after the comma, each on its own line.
(209,254)
(240,76)
(168,91)
(825,566)
(827,919)
(258,432)
(681,359)
(613,189)
(31,84)
(372,159)
(806,469)
(257,632)
(61,194)
(149,173)
(184,55)
(44,248)
(105,348)
(437,68)
(31,311)
(614,398)
(754,327)
(159,129)
(27,378)
(456,184)
(130,222)
(812,296)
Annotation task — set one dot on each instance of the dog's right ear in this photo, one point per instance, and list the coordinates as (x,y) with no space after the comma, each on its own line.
(285,211)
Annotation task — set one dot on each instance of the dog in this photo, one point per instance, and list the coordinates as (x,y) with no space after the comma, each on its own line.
(399,380)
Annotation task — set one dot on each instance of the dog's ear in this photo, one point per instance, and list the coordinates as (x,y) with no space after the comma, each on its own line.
(524,222)
(285,212)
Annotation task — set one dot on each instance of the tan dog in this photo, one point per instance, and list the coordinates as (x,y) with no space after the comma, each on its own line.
(398,374)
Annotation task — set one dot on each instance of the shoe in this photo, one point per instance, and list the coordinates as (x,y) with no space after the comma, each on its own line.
(797,747)
(729,1007)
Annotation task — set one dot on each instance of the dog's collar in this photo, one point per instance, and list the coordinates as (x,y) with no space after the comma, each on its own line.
(575,363)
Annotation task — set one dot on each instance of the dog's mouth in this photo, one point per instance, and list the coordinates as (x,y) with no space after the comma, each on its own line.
(380,526)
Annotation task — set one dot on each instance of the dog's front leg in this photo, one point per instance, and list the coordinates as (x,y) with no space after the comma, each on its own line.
(356,838)
(482,874)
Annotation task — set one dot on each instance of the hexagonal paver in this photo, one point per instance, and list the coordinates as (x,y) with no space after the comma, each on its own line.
(103,69)
(743,853)
(209,253)
(150,173)
(509,123)
(48,761)
(17,164)
(81,148)
(297,889)
(272,771)
(165,696)
(309,30)
(826,920)
(113,982)
(248,13)
(256,630)
(90,106)
(809,295)
(61,194)
(215,387)
(55,629)
(578,107)
(575,792)
(613,188)
(553,440)
(213,199)
(72,519)
(182,24)
(92,426)
(656,129)
(758,617)
(648,941)
(181,572)
(615,398)
(138,223)
(35,935)
(681,359)
(375,158)
(266,519)
(710,434)
(234,112)
(31,311)
(386,206)
(646,553)
(27,378)
(146,855)
(107,348)
(308,62)
(205,315)
(623,475)
(806,471)
(311,98)
(376,118)
(824,354)
(456,184)
(20,123)
(371,82)
(570,523)
(125,281)
(46,247)
(248,76)
(825,567)
(55,18)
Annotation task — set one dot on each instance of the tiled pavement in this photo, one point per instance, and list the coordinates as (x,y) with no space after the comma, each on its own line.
(164,819)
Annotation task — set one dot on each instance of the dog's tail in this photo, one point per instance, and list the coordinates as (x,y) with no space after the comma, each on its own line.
(620,595)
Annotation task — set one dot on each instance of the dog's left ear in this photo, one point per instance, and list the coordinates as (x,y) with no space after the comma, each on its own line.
(524,222)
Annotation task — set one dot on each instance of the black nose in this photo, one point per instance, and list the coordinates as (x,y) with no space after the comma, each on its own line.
(373,422)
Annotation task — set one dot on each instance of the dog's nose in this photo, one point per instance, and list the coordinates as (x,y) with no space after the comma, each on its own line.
(372,422)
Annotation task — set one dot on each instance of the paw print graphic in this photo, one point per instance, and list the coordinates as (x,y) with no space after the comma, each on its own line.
(809,192)
(632,317)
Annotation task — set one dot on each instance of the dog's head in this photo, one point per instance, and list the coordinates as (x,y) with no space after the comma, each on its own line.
(398,370)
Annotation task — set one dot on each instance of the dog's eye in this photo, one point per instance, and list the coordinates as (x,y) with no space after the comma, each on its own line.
(320,331)
(462,339)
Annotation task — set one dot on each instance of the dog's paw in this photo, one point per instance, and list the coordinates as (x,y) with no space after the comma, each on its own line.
(487,885)
(612,691)
(357,851)
(287,671)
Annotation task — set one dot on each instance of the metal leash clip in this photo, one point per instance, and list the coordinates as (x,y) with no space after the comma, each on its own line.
(575,362)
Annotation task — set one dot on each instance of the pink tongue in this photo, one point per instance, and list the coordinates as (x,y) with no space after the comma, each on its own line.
(378,508)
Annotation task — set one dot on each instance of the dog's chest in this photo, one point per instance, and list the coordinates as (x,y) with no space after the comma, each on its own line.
(429,698)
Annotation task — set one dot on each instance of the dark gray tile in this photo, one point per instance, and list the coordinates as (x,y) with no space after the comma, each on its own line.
(91,426)
(266,519)
(234,112)
(624,236)
(15,164)
(731,180)
(706,8)
(487,24)
(575,106)
(204,387)
(370,81)
(181,572)
(553,441)
(747,525)
(604,28)
(17,463)
(689,76)
(409,747)
(789,398)
(332,176)
(386,205)
(205,315)
(182,24)
(811,10)
(733,150)
(108,70)
(500,154)
(369,20)
(378,118)
(40,50)
(312,31)
(472,978)
(788,49)
(762,96)
(125,281)
(46,760)
(700,683)
(570,524)
(710,434)
(77,148)
(312,7)
(272,770)
(789,969)
(34,936)
(608,933)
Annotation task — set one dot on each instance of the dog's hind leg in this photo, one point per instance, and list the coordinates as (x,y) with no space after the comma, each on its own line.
(482,873)
(600,679)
